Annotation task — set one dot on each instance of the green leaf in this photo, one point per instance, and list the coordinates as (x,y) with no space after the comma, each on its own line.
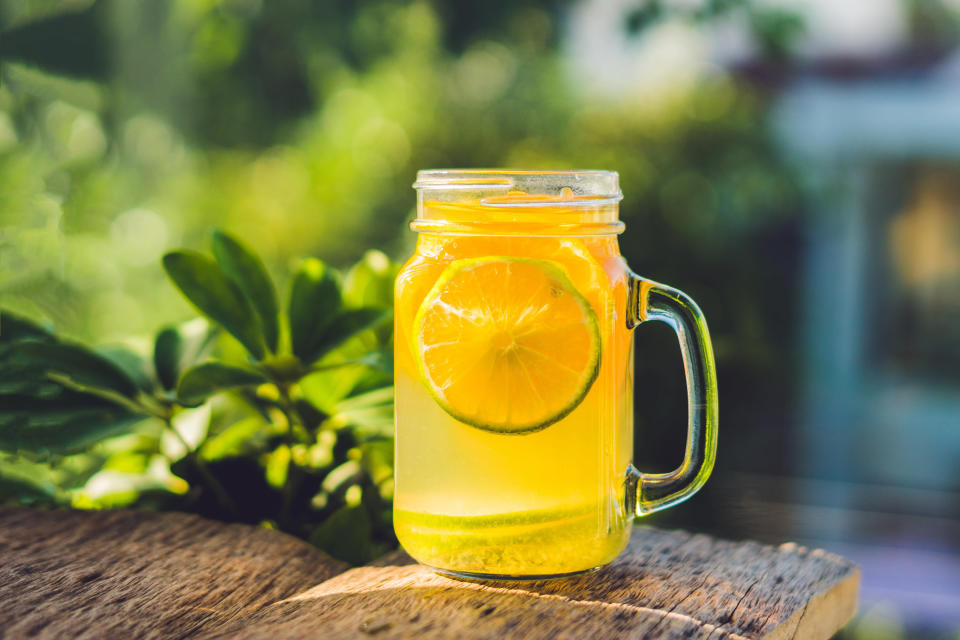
(370,282)
(236,440)
(131,364)
(166,357)
(34,10)
(368,423)
(346,535)
(246,270)
(14,327)
(204,380)
(18,376)
(277,465)
(370,413)
(81,39)
(315,301)
(112,488)
(18,489)
(179,347)
(347,324)
(78,366)
(340,478)
(325,389)
(381,360)
(216,296)
(26,482)
(374,378)
(189,428)
(377,459)
(59,404)
(369,399)
(67,422)
(127,462)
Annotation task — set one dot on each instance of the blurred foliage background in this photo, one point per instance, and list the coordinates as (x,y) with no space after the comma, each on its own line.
(128,129)
(299,128)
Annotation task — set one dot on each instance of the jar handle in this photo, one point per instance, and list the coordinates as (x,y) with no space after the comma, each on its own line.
(649,492)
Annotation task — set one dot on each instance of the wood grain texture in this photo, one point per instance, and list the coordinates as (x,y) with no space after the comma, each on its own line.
(127,574)
(666,585)
(70,574)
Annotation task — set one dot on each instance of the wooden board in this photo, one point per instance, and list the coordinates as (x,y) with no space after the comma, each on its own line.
(126,574)
(665,585)
(182,576)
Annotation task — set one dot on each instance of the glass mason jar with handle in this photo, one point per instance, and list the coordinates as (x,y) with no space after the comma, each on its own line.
(514,377)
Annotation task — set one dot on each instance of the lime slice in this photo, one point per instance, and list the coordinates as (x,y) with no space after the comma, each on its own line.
(507,344)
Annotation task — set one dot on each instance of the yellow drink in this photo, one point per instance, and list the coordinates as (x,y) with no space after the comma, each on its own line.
(549,500)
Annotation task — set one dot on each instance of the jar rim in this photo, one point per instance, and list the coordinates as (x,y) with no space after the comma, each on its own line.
(583,230)
(591,187)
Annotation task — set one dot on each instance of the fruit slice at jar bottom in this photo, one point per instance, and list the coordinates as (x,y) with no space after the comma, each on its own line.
(507,344)
(521,543)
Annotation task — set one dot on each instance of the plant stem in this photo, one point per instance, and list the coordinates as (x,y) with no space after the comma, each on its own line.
(295,430)
(219,492)
(149,406)
(366,360)
(106,394)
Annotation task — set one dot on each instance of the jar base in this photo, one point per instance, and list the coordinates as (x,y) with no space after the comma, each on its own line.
(468,576)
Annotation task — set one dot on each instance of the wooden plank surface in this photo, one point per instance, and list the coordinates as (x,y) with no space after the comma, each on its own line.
(126,574)
(64,574)
(667,584)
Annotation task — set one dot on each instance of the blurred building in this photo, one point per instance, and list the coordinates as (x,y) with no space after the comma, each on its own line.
(880,430)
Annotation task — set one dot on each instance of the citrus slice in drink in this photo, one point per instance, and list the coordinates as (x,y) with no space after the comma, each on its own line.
(506,344)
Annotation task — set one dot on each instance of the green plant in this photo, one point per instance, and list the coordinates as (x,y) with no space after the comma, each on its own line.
(289,425)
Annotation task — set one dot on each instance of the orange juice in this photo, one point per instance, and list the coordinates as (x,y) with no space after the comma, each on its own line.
(513,388)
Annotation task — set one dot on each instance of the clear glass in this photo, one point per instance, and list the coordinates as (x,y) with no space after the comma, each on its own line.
(476,499)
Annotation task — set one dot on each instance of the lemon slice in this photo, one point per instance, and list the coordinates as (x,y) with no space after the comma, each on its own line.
(507,344)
